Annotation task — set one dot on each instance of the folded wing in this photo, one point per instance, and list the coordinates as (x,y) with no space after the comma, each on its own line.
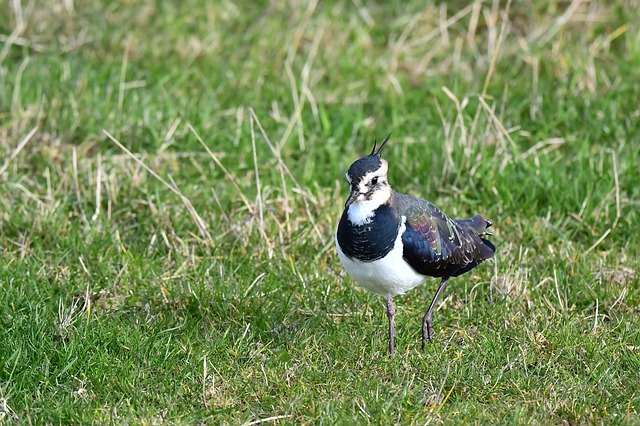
(438,246)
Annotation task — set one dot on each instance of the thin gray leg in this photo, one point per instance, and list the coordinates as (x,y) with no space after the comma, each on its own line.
(391,311)
(427,329)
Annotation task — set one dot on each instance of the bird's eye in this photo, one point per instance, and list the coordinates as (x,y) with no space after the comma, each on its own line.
(374,181)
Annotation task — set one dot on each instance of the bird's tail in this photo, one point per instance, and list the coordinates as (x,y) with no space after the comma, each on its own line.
(477,224)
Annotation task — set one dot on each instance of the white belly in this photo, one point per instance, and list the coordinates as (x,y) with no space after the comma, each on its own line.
(388,276)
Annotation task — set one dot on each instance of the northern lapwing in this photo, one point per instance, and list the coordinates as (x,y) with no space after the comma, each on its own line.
(390,242)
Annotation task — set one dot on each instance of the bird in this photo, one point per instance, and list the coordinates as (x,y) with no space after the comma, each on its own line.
(390,242)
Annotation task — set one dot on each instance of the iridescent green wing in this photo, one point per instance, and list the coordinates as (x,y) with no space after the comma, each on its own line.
(438,246)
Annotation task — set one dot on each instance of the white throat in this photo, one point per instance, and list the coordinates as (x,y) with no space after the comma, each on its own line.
(361,212)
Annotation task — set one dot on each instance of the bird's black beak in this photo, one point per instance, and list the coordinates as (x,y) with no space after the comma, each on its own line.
(352,197)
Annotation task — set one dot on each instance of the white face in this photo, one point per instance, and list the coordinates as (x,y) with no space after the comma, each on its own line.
(368,194)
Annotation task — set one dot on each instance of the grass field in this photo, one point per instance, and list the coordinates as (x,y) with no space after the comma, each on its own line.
(171,175)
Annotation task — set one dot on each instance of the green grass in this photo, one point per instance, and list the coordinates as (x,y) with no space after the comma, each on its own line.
(208,290)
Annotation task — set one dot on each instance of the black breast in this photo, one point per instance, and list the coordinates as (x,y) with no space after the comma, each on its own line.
(371,241)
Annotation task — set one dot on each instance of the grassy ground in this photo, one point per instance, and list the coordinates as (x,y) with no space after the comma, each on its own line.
(171,174)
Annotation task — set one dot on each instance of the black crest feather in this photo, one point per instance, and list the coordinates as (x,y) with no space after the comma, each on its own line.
(378,153)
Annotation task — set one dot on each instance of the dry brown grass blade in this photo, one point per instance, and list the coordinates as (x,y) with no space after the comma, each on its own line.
(497,48)
(597,243)
(614,161)
(201,225)
(299,99)
(498,125)
(98,189)
(546,34)
(259,191)
(226,172)
(76,184)
(460,118)
(16,151)
(284,169)
(443,26)
(19,28)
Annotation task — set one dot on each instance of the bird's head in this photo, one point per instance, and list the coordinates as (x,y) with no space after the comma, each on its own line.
(367,178)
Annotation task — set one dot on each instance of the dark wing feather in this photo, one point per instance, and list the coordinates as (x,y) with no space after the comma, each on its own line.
(438,246)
